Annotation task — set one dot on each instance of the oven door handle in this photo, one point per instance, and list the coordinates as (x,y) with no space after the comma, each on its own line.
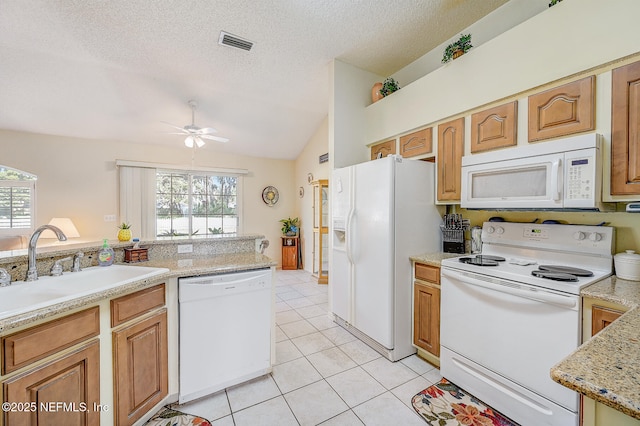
(540,296)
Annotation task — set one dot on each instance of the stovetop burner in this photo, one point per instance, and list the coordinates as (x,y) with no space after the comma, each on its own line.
(482,260)
(556,276)
(566,270)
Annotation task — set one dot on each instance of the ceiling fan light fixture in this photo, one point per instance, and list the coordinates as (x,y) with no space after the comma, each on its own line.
(199,142)
(189,141)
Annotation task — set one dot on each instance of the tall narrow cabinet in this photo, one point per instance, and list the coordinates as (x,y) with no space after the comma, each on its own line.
(321,230)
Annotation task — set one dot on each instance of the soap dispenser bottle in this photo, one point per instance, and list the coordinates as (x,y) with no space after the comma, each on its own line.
(105,254)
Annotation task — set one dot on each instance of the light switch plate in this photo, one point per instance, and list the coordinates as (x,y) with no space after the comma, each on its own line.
(185,248)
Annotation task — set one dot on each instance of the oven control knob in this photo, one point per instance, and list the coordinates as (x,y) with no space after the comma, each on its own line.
(490,229)
(499,230)
(579,236)
(595,237)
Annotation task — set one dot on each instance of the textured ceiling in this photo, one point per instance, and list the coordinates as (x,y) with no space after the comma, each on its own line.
(117,69)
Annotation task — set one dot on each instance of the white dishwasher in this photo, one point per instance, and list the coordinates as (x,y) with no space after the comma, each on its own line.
(227,326)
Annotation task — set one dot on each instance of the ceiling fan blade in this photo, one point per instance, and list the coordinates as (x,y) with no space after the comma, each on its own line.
(177,133)
(174,126)
(214,138)
(206,131)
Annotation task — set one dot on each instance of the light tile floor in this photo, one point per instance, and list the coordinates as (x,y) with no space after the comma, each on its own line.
(323,374)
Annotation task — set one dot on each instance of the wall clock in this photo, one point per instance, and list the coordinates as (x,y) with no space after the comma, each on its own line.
(270,196)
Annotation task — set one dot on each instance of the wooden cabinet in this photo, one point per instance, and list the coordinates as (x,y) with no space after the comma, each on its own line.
(321,230)
(65,388)
(35,343)
(140,356)
(426,310)
(289,253)
(73,379)
(383,149)
(417,143)
(563,110)
(625,136)
(596,315)
(450,150)
(601,317)
(494,128)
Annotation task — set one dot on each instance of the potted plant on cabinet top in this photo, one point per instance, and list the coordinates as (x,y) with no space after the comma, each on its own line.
(289,226)
(389,86)
(457,48)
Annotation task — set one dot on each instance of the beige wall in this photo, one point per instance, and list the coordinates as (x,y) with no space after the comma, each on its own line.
(77,178)
(307,162)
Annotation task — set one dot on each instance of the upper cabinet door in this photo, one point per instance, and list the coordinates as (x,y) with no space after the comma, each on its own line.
(450,150)
(417,143)
(383,149)
(625,137)
(494,128)
(563,110)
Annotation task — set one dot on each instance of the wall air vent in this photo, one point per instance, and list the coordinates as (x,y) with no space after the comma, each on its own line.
(231,40)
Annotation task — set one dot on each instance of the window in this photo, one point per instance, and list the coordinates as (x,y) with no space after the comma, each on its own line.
(196,204)
(17,196)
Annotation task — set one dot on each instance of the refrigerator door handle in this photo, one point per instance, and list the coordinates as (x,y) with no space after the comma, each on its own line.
(349,235)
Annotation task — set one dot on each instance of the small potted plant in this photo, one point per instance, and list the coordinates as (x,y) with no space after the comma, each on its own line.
(457,48)
(289,226)
(389,86)
(124,233)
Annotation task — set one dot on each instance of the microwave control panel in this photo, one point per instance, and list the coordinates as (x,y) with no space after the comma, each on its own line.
(580,178)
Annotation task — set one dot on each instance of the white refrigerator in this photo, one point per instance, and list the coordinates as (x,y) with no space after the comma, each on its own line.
(383,211)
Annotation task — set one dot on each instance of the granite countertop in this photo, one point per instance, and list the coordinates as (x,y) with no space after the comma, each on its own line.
(433,259)
(606,368)
(183,266)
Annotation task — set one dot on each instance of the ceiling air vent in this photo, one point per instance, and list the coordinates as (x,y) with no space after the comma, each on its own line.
(231,40)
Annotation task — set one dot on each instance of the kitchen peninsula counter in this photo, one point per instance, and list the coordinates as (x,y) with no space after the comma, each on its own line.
(606,368)
(184,265)
(433,259)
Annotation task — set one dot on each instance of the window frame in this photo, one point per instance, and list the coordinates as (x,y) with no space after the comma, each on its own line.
(190,201)
(23,183)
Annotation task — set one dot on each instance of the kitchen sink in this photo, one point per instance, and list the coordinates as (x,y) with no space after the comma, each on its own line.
(21,296)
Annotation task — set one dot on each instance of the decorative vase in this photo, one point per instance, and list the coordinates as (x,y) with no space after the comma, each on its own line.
(375,92)
(124,235)
(290,234)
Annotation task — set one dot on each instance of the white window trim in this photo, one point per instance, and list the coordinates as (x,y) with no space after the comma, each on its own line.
(22,183)
(182,168)
(137,192)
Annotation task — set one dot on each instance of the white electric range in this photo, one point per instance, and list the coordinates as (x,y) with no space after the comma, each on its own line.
(511,313)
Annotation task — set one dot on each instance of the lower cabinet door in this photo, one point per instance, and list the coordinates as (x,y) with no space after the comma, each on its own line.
(140,367)
(426,318)
(64,392)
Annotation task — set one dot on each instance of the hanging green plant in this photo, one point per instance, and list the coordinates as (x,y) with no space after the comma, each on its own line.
(554,2)
(389,86)
(457,48)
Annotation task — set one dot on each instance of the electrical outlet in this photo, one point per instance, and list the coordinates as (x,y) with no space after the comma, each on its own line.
(109,217)
(185,248)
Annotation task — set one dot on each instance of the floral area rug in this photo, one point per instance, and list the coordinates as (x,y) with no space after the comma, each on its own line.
(169,417)
(445,404)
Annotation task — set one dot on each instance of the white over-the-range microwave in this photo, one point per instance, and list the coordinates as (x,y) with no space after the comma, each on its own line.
(558,174)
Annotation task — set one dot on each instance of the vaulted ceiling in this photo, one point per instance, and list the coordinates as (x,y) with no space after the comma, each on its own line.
(117,69)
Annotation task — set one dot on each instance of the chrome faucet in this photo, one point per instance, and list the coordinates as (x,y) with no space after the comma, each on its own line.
(32,271)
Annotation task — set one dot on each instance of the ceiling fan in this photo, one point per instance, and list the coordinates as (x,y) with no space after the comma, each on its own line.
(194,134)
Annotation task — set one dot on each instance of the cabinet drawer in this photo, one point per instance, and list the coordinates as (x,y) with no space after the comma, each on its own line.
(27,346)
(427,273)
(135,304)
